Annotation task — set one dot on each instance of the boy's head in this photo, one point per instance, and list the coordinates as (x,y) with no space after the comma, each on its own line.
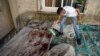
(61,11)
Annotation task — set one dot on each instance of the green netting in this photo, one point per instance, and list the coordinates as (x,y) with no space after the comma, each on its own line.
(90,39)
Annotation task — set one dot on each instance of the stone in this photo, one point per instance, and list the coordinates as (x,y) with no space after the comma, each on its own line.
(62,50)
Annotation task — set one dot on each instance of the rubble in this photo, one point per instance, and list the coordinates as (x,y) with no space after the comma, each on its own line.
(32,40)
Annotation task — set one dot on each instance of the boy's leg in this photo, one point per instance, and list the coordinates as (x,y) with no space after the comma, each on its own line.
(74,19)
(62,23)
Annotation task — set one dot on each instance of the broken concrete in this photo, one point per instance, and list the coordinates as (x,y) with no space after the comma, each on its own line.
(33,40)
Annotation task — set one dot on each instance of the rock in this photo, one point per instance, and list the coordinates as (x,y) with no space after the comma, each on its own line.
(62,50)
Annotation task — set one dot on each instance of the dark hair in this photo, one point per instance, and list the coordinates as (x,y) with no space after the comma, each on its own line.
(77,5)
(59,10)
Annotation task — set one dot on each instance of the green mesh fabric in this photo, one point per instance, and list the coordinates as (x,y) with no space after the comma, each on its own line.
(90,39)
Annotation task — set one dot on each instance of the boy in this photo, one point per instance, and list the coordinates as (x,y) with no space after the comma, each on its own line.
(68,11)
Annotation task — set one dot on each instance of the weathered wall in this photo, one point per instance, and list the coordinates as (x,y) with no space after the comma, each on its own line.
(21,6)
(92,12)
(27,5)
(22,10)
(14,9)
(93,8)
(6,23)
(24,18)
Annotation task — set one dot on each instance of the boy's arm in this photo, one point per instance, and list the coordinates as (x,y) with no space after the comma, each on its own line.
(78,11)
(57,21)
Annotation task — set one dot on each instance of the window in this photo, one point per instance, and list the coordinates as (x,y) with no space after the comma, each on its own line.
(52,5)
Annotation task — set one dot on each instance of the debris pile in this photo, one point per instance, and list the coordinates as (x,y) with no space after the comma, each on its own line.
(34,40)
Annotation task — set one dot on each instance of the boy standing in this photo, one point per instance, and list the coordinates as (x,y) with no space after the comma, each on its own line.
(69,11)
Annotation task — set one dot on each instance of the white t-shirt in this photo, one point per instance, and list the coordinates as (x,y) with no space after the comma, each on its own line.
(70,11)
